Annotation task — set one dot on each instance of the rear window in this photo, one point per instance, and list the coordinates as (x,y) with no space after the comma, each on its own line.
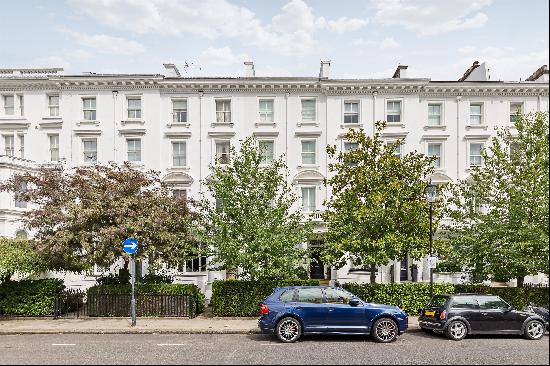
(287,296)
(464,302)
(438,301)
(311,295)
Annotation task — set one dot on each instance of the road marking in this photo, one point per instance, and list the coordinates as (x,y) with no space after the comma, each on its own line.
(63,344)
(171,344)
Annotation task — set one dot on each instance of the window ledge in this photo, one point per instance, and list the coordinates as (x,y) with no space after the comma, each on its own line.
(173,169)
(52,118)
(440,127)
(222,124)
(476,127)
(308,166)
(88,122)
(395,124)
(137,164)
(308,123)
(178,124)
(13,117)
(351,125)
(266,124)
(132,121)
(191,274)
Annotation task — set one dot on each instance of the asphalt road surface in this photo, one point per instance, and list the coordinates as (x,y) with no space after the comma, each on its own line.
(412,348)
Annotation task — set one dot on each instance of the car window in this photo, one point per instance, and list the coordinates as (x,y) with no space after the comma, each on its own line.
(311,295)
(335,296)
(492,302)
(464,302)
(287,296)
(438,301)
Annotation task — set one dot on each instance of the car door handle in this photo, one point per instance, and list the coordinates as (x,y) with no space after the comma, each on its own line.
(299,308)
(330,309)
(484,313)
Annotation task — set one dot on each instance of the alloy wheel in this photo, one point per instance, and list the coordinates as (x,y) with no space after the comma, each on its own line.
(386,330)
(289,330)
(457,330)
(535,330)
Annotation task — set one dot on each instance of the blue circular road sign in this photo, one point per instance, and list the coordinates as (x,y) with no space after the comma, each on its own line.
(130,245)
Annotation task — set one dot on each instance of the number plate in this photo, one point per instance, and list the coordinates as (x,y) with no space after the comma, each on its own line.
(429,313)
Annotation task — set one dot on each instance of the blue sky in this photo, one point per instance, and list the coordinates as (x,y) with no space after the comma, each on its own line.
(363,39)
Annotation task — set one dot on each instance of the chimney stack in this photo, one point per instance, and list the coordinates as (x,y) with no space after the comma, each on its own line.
(172,70)
(249,69)
(325,70)
(400,72)
(540,75)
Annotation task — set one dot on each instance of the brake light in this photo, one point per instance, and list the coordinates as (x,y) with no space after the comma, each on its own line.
(264,310)
(443,315)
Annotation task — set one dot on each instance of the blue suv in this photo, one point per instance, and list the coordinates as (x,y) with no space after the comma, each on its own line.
(290,312)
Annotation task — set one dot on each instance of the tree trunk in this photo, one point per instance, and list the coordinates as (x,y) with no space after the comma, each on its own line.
(520,280)
(373,273)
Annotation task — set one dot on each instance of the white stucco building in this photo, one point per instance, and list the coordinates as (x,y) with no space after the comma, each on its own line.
(178,125)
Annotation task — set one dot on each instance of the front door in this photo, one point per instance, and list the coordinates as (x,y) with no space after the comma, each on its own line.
(467,307)
(311,309)
(317,267)
(341,316)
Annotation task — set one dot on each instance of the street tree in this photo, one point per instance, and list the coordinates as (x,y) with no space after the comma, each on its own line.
(249,221)
(19,256)
(378,211)
(80,216)
(499,214)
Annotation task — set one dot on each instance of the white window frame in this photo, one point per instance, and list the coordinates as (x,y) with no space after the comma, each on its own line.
(399,152)
(128,151)
(12,107)
(93,111)
(441,114)
(21,145)
(315,112)
(9,149)
(481,115)
(53,148)
(215,154)
(401,110)
(263,141)
(134,113)
(224,111)
(21,204)
(315,206)
(344,113)
(88,139)
(314,152)
(441,152)
(513,116)
(180,189)
(482,143)
(262,114)
(347,143)
(177,113)
(53,109)
(21,106)
(184,155)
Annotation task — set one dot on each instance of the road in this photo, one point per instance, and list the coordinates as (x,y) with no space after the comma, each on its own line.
(412,348)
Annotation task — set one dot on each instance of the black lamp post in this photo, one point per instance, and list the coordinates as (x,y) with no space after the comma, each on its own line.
(431,194)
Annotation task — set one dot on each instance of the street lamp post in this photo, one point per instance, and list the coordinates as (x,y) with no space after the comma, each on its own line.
(431,192)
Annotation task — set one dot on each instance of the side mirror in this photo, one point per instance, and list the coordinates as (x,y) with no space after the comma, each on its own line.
(354,302)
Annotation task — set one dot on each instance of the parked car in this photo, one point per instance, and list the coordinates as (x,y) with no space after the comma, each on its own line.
(458,315)
(543,312)
(291,312)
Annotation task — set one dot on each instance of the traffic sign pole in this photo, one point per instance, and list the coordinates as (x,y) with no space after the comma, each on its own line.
(133,280)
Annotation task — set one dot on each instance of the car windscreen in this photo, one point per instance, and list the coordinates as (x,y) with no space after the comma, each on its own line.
(438,301)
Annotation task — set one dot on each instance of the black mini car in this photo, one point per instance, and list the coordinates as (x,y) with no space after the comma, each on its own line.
(460,314)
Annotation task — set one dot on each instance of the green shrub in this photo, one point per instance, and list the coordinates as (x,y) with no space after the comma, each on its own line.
(518,297)
(153,289)
(409,297)
(29,297)
(242,298)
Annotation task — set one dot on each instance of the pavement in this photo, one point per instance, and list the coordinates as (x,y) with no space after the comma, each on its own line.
(263,349)
(85,325)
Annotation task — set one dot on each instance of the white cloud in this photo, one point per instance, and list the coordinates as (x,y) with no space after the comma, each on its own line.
(66,61)
(429,17)
(103,43)
(388,43)
(291,32)
(466,49)
(221,56)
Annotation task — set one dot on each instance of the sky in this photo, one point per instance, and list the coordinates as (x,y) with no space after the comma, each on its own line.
(437,39)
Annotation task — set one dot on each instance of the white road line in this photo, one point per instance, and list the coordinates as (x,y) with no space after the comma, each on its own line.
(63,344)
(171,344)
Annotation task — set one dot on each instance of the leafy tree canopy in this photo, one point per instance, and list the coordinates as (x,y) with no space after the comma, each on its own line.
(18,256)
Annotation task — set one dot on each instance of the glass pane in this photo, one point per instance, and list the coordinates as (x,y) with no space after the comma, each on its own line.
(460,302)
(54,100)
(351,118)
(475,109)
(134,103)
(434,149)
(308,199)
(491,303)
(179,104)
(308,110)
(287,296)
(350,146)
(266,148)
(475,149)
(335,296)
(475,120)
(310,295)
(308,146)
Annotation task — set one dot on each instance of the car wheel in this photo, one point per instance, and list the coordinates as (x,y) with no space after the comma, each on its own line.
(457,330)
(534,330)
(288,330)
(385,330)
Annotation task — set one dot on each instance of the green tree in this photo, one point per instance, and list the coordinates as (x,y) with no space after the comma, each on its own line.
(249,223)
(378,211)
(81,216)
(18,256)
(499,214)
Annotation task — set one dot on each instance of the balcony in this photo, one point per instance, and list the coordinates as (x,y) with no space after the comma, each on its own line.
(315,216)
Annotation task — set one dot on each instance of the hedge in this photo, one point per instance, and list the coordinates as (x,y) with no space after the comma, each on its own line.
(518,297)
(153,289)
(409,297)
(241,298)
(29,297)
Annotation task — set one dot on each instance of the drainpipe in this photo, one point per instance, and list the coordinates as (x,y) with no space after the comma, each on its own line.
(287,94)
(374,94)
(115,95)
(458,99)
(200,140)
